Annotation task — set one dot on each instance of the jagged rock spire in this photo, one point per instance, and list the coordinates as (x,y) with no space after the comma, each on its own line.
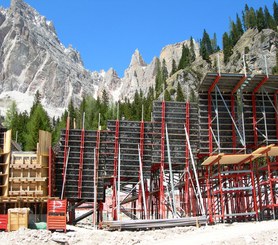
(137,59)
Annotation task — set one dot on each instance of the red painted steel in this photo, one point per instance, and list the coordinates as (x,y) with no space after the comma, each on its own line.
(254,190)
(233,126)
(162,208)
(4,222)
(276,116)
(210,112)
(57,215)
(80,173)
(116,155)
(254,120)
(254,110)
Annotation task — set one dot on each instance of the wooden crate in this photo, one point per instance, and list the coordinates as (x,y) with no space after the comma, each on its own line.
(17,218)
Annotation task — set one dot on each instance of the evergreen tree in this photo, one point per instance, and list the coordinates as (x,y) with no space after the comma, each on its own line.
(275,12)
(214,45)
(227,47)
(36,102)
(260,19)
(167,96)
(174,67)
(269,20)
(180,96)
(192,50)
(205,46)
(245,17)
(11,116)
(39,120)
(234,35)
(164,70)
(148,102)
(72,113)
(185,58)
(136,107)
(239,26)
(21,128)
(252,18)
(159,79)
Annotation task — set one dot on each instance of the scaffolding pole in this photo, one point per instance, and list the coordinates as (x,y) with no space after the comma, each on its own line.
(171,174)
(119,184)
(142,181)
(200,199)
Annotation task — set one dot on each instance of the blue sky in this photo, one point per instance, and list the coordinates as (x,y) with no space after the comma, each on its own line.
(107,32)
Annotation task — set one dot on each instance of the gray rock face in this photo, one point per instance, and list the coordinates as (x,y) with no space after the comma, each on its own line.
(259,49)
(32,58)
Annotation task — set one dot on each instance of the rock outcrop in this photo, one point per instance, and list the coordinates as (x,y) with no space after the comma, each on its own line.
(33,59)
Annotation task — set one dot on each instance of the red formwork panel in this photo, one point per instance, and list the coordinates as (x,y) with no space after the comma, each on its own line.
(57,215)
(3,222)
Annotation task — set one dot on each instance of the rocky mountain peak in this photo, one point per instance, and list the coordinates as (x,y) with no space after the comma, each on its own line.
(17,4)
(136,59)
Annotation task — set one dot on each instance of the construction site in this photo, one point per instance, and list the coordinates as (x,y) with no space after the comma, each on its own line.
(210,161)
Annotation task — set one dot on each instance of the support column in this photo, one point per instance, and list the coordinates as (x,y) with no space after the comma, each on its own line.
(255,111)
(162,208)
(66,148)
(186,170)
(116,154)
(80,174)
(210,112)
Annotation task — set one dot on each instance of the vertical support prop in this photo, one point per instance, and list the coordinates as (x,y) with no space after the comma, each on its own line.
(171,175)
(116,154)
(162,163)
(80,175)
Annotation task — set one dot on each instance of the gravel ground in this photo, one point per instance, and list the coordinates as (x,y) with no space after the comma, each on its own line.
(237,233)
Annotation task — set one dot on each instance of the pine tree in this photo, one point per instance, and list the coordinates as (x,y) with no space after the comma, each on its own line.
(180,96)
(72,113)
(167,96)
(252,18)
(227,47)
(174,67)
(11,116)
(21,128)
(39,120)
(205,47)
(158,79)
(269,20)
(185,58)
(245,17)
(192,50)
(260,19)
(36,102)
(214,43)
(164,70)
(275,12)
(234,35)
(239,26)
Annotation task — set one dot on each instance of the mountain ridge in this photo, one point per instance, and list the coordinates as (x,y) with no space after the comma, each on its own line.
(33,59)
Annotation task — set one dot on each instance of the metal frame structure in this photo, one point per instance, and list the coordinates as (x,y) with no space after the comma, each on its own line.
(154,168)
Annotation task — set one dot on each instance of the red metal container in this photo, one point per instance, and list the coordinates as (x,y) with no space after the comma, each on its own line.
(57,215)
(3,222)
